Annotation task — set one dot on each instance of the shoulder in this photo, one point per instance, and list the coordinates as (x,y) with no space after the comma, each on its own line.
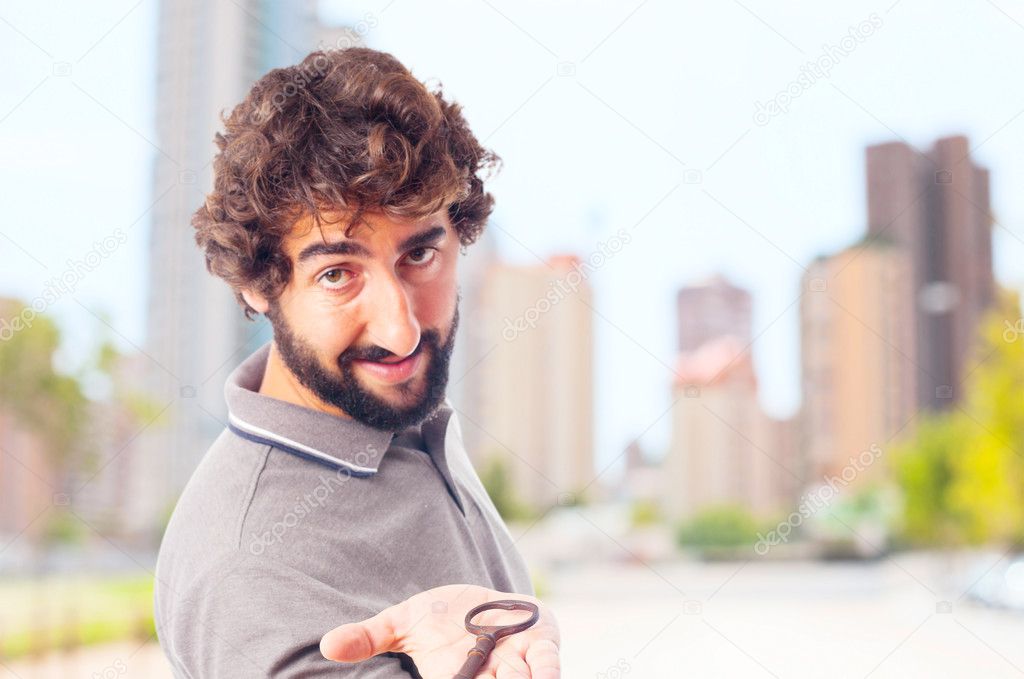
(211,509)
(244,615)
(204,531)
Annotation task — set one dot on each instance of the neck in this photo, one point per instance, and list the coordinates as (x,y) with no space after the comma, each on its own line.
(279,382)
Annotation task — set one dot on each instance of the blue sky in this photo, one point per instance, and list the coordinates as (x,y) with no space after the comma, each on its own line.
(650,96)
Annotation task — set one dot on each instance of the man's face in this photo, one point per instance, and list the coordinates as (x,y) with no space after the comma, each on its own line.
(355,305)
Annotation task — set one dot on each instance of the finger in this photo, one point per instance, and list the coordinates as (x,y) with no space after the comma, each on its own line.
(355,641)
(509,665)
(543,660)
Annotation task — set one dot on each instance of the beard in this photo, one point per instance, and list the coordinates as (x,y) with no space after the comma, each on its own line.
(341,387)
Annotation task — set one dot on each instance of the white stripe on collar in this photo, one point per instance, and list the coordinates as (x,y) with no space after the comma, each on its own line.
(253,429)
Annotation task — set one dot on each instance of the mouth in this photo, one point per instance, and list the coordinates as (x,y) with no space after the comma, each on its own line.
(392,372)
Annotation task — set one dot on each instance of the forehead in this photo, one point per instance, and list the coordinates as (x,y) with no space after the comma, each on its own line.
(375,230)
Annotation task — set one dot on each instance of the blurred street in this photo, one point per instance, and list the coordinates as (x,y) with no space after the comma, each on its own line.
(783,619)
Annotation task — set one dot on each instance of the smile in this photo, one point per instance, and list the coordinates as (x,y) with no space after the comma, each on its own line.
(392,373)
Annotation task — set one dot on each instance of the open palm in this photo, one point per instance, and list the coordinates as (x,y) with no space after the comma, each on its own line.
(429,627)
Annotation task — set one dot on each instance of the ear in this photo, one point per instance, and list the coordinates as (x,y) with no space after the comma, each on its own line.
(255,300)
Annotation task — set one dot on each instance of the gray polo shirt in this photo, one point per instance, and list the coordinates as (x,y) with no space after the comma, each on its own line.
(297,521)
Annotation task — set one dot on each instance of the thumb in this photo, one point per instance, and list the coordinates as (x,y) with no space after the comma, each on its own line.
(355,641)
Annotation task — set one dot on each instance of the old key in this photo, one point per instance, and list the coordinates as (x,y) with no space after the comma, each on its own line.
(488,635)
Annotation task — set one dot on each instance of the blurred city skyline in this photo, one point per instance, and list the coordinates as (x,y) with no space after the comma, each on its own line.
(742,254)
(608,95)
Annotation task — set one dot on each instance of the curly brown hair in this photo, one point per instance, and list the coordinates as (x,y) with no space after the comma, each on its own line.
(348,130)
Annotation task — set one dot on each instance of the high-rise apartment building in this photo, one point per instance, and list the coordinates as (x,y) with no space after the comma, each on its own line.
(859,365)
(209,54)
(712,308)
(536,395)
(724,449)
(936,204)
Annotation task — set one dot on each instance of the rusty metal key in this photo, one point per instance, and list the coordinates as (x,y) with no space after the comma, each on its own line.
(487,636)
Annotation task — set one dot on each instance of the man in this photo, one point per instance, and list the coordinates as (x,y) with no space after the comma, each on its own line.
(336,526)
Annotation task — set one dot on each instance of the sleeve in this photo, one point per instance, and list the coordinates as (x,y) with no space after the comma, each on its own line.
(255,617)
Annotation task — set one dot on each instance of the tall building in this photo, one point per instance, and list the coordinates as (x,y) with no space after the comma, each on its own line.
(724,450)
(937,205)
(536,396)
(472,344)
(711,309)
(859,367)
(29,484)
(209,54)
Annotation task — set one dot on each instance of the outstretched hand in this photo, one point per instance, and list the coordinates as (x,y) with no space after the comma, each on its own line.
(429,627)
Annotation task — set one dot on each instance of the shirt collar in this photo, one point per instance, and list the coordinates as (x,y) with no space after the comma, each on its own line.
(342,443)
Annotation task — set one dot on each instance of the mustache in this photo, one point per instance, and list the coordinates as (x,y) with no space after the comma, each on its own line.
(428,338)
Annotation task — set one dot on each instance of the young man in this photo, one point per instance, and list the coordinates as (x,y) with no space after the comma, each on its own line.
(336,527)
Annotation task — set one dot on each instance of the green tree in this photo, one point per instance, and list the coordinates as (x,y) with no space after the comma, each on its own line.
(53,406)
(962,474)
(718,526)
(988,487)
(44,401)
(498,483)
(925,468)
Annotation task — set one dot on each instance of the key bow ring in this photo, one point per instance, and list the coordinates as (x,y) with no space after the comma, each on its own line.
(487,636)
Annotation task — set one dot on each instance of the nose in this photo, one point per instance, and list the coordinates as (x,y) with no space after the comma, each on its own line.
(392,324)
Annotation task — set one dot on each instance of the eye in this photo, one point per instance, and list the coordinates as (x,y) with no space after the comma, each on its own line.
(419,261)
(333,279)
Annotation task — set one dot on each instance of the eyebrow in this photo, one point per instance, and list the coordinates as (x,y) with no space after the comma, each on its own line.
(356,249)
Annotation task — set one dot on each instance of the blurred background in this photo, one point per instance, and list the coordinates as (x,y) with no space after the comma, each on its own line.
(741,358)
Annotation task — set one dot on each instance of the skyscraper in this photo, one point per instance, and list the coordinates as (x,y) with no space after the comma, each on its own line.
(710,309)
(937,205)
(536,396)
(473,344)
(724,448)
(858,355)
(209,54)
